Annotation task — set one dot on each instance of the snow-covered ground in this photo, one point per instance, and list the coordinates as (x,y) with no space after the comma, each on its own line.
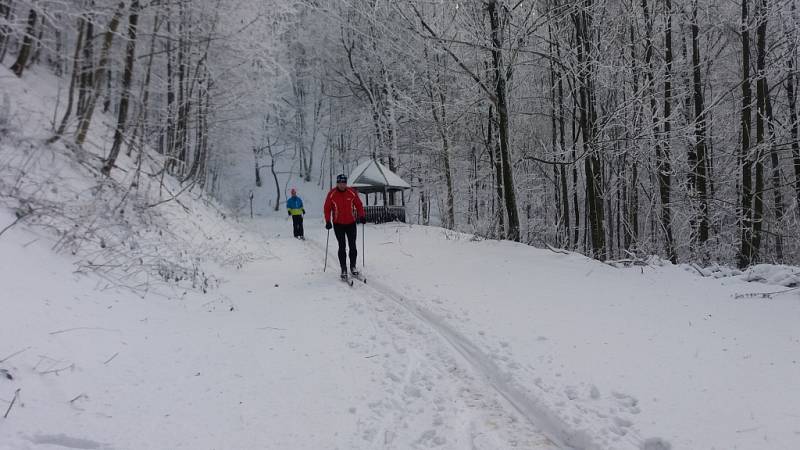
(281,356)
(603,357)
(453,343)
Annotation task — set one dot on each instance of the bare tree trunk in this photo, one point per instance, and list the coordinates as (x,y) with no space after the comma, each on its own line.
(130,54)
(747,252)
(313,143)
(497,174)
(664,164)
(299,91)
(87,65)
(141,129)
(206,109)
(558,141)
(439,113)
(498,66)
(101,70)
(170,138)
(274,177)
(107,97)
(72,82)
(698,171)
(761,104)
(37,52)
(631,229)
(5,31)
(200,135)
(777,194)
(25,50)
(592,164)
(575,204)
(54,58)
(183,100)
(791,95)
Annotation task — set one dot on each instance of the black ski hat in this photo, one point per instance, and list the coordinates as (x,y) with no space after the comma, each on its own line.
(341,178)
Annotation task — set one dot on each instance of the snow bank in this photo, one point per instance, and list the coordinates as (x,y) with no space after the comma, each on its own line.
(137,232)
(651,356)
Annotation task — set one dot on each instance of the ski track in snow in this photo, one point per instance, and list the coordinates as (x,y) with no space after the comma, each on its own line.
(559,422)
(503,382)
(430,353)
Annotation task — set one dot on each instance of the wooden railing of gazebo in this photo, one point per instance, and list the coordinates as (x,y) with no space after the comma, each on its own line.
(382,214)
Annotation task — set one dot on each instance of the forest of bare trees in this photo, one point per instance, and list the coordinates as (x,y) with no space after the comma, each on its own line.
(618,129)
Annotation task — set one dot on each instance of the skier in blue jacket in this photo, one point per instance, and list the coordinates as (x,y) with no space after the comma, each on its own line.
(294,205)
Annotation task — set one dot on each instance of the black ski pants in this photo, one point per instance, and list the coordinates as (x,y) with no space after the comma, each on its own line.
(297,225)
(341,232)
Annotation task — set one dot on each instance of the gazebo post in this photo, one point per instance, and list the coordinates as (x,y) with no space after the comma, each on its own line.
(403,197)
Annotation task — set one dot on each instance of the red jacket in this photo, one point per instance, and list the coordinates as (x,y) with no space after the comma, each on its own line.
(342,204)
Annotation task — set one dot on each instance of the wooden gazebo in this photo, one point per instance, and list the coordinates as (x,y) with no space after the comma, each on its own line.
(372,177)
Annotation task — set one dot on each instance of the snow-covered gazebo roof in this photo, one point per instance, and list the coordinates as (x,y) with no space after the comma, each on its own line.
(372,176)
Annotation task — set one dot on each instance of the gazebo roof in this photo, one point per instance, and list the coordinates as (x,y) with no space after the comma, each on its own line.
(372,176)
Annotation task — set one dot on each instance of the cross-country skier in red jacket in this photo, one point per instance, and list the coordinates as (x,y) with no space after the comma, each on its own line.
(343,208)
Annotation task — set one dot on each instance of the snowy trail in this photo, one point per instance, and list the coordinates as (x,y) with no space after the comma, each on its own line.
(502,382)
(432,367)
(479,362)
(600,357)
(499,381)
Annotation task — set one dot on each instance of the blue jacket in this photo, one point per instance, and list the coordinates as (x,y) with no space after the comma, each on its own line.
(295,206)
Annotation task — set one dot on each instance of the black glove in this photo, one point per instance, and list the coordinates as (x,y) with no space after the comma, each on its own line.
(289,213)
(304,210)
(328,225)
(363,219)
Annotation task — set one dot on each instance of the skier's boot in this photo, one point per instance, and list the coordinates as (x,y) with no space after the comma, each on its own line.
(343,276)
(354,271)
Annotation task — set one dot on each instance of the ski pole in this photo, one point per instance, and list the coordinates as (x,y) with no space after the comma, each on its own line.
(363,248)
(326,251)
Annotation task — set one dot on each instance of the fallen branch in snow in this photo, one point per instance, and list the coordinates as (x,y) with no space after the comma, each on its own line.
(9,226)
(25,245)
(78,397)
(557,250)
(13,354)
(81,328)
(694,266)
(406,253)
(111,359)
(764,294)
(174,197)
(753,295)
(627,262)
(57,371)
(16,394)
(21,214)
